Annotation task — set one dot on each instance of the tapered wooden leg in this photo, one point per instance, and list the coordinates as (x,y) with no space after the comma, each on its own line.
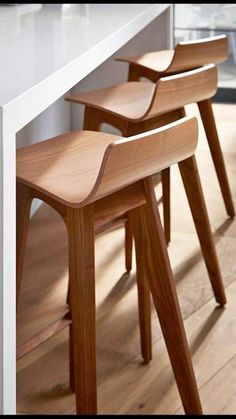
(192,184)
(92,119)
(165,177)
(71,360)
(68,294)
(71,349)
(164,295)
(136,72)
(133,74)
(205,108)
(128,246)
(144,310)
(23,204)
(80,225)
(137,128)
(144,301)
(92,122)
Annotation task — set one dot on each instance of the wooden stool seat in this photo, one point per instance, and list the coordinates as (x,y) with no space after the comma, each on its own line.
(119,99)
(66,166)
(142,101)
(186,56)
(158,61)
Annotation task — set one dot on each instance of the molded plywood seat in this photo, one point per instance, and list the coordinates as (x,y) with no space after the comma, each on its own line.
(158,61)
(139,101)
(83,175)
(66,166)
(186,56)
(120,99)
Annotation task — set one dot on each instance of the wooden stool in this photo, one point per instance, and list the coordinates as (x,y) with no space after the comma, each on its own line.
(90,178)
(186,56)
(153,66)
(82,175)
(135,107)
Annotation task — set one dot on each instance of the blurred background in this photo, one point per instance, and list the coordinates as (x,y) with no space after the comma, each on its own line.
(193,21)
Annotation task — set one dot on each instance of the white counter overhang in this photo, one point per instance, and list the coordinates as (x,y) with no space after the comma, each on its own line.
(55,47)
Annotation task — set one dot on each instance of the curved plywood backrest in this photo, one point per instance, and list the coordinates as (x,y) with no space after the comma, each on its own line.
(192,54)
(174,92)
(129,160)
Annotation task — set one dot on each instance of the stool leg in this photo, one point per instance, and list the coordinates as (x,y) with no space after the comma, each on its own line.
(71,351)
(206,112)
(164,295)
(71,360)
(144,301)
(68,294)
(91,122)
(23,204)
(133,73)
(165,177)
(192,184)
(80,225)
(128,246)
(92,119)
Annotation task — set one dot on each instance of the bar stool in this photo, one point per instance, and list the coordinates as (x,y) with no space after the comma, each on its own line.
(155,65)
(83,175)
(136,107)
(186,56)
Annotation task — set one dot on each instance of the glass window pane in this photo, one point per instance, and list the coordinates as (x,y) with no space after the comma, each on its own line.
(195,21)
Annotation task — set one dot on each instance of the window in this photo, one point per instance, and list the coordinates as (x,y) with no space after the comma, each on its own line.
(194,21)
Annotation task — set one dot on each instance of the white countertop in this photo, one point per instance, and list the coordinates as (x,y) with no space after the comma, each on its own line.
(37,40)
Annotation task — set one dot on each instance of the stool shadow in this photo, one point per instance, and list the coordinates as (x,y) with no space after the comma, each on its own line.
(207,326)
(121,288)
(196,257)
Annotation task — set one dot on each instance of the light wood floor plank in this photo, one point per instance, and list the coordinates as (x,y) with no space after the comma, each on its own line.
(133,388)
(219,393)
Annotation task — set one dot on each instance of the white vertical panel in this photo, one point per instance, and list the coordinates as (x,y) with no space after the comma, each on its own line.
(7,268)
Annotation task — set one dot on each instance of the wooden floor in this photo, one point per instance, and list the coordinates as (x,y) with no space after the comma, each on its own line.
(125,385)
